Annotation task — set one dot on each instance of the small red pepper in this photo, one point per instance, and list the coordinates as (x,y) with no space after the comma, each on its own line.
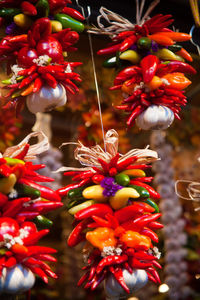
(149,66)
(73,13)
(28,8)
(99,210)
(109,50)
(76,235)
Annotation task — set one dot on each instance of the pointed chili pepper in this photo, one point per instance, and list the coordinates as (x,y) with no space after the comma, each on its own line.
(128,212)
(121,165)
(73,13)
(149,66)
(63,191)
(37,84)
(83,278)
(155,274)
(32,250)
(148,232)
(28,8)
(51,81)
(142,222)
(45,206)
(98,280)
(46,257)
(111,260)
(109,50)
(96,209)
(38,272)
(136,112)
(23,153)
(35,237)
(76,235)
(11,262)
(155,225)
(143,255)
(151,191)
(135,263)
(127,43)
(118,274)
(46,192)
(101,222)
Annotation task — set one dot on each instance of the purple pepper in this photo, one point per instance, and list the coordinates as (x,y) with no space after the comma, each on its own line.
(10,29)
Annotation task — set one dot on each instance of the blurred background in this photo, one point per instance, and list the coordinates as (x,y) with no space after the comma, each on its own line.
(179,149)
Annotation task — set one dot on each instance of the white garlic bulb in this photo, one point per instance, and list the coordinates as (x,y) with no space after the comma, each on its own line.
(155,117)
(46,99)
(16,280)
(134,281)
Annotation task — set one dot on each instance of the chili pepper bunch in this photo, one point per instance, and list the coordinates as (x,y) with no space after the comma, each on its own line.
(18,16)
(40,67)
(115,213)
(153,85)
(22,204)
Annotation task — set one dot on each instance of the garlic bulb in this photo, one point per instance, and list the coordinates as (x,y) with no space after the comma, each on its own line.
(46,99)
(155,117)
(134,281)
(16,280)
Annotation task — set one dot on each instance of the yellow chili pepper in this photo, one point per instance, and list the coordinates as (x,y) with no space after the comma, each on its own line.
(7,184)
(94,192)
(128,89)
(122,196)
(134,173)
(166,54)
(81,206)
(101,237)
(131,56)
(22,21)
(135,240)
(56,26)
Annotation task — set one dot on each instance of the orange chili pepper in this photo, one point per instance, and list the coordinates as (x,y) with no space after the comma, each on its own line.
(128,89)
(176,36)
(155,83)
(19,249)
(101,237)
(177,80)
(183,53)
(29,90)
(161,39)
(135,240)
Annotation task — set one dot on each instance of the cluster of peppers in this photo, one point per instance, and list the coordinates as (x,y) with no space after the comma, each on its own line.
(18,16)
(156,75)
(115,215)
(38,58)
(22,204)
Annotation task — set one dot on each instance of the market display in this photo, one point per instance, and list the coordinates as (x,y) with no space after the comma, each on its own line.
(115,214)
(22,204)
(40,74)
(152,79)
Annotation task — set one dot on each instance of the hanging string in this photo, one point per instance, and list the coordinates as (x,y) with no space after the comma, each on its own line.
(94,71)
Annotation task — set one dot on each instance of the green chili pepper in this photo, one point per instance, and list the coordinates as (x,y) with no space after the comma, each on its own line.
(42,8)
(28,191)
(110,62)
(175,48)
(9,12)
(3,251)
(144,43)
(43,222)
(122,179)
(142,191)
(68,22)
(13,161)
(153,204)
(75,193)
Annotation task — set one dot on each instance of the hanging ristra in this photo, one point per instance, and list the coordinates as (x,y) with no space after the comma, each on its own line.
(115,215)
(22,204)
(36,54)
(152,79)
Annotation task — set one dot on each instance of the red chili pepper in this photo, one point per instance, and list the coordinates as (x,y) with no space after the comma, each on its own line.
(145,206)
(51,81)
(28,80)
(63,191)
(76,235)
(141,167)
(155,274)
(156,264)
(5,170)
(38,271)
(37,84)
(150,277)
(123,35)
(149,66)
(142,222)
(34,250)
(148,232)
(46,192)
(101,222)
(151,191)
(128,212)
(3,199)
(23,153)
(44,206)
(155,225)
(127,43)
(175,66)
(137,111)
(135,263)
(18,38)
(98,280)
(35,237)
(94,210)
(11,262)
(111,260)
(13,207)
(118,274)
(126,74)
(109,50)
(121,165)
(83,279)
(28,8)
(73,13)
(143,255)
